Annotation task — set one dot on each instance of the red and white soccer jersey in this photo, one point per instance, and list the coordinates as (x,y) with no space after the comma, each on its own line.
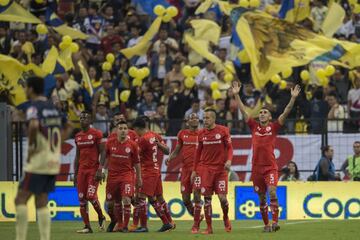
(87,144)
(264,167)
(150,165)
(121,160)
(213,151)
(188,140)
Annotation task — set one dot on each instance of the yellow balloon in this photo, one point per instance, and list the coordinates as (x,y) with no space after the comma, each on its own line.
(214,85)
(159,10)
(254,3)
(110,58)
(172,11)
(244,3)
(229,68)
(228,77)
(286,73)
(133,71)
(167,18)
(4,2)
(137,82)
(195,71)
(67,39)
(41,29)
(305,75)
(282,84)
(124,95)
(356,9)
(216,94)
(141,73)
(74,47)
(39,1)
(275,79)
(146,71)
(189,82)
(63,46)
(323,81)
(329,70)
(320,73)
(187,71)
(106,66)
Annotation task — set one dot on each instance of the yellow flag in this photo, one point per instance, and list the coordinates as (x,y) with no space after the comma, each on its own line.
(206,30)
(204,6)
(65,59)
(274,45)
(13,12)
(72,32)
(11,68)
(201,47)
(49,63)
(333,20)
(143,45)
(86,78)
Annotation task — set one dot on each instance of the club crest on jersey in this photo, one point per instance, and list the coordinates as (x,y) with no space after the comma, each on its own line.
(268,128)
(217,136)
(90,137)
(152,140)
(127,150)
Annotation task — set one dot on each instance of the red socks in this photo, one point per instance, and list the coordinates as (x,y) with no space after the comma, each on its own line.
(160,212)
(136,215)
(143,212)
(274,206)
(264,213)
(225,209)
(119,213)
(166,210)
(127,212)
(189,206)
(84,212)
(97,207)
(197,214)
(208,212)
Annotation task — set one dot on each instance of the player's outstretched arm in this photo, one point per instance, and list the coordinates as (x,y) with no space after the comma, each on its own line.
(236,89)
(294,94)
(163,147)
(138,175)
(174,153)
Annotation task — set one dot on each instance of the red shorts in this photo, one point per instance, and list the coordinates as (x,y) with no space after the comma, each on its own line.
(86,184)
(152,186)
(119,187)
(213,181)
(197,181)
(186,186)
(262,181)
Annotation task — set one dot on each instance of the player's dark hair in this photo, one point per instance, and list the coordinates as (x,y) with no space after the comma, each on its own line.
(357,142)
(325,149)
(121,122)
(86,112)
(139,122)
(210,110)
(36,83)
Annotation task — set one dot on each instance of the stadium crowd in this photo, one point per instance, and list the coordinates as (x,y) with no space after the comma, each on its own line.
(117,24)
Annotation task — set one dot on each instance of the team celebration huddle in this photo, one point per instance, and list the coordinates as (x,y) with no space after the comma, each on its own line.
(129,163)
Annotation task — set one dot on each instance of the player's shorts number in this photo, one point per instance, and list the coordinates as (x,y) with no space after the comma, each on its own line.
(54,139)
(222,185)
(197,181)
(91,190)
(272,178)
(127,188)
(154,148)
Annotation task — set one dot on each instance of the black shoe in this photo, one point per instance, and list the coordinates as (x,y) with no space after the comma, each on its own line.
(165,227)
(85,230)
(125,230)
(111,226)
(102,223)
(141,230)
(267,229)
(275,227)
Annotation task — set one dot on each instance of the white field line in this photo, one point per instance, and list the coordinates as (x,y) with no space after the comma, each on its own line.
(288,223)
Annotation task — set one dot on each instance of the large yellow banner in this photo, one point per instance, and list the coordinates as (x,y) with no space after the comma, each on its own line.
(297,200)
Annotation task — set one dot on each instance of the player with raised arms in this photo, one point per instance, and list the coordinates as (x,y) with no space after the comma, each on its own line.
(212,163)
(89,170)
(46,131)
(264,166)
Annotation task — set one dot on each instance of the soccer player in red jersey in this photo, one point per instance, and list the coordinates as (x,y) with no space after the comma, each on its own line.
(88,170)
(186,145)
(264,167)
(122,157)
(150,143)
(212,163)
(115,207)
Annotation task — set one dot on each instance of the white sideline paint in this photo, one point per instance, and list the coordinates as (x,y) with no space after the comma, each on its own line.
(287,223)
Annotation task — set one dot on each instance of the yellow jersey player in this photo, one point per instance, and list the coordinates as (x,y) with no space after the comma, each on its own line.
(45,131)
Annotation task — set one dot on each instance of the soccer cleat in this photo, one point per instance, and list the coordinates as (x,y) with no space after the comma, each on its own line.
(125,230)
(208,231)
(118,228)
(267,229)
(173,225)
(195,230)
(227,225)
(85,230)
(133,228)
(111,226)
(102,221)
(275,227)
(141,230)
(166,228)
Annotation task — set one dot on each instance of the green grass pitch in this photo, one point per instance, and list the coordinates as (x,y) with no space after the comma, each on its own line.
(246,230)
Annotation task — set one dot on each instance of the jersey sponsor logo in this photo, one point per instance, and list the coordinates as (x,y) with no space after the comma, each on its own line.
(49,112)
(86,143)
(211,142)
(247,205)
(119,156)
(217,136)
(263,134)
(127,150)
(190,143)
